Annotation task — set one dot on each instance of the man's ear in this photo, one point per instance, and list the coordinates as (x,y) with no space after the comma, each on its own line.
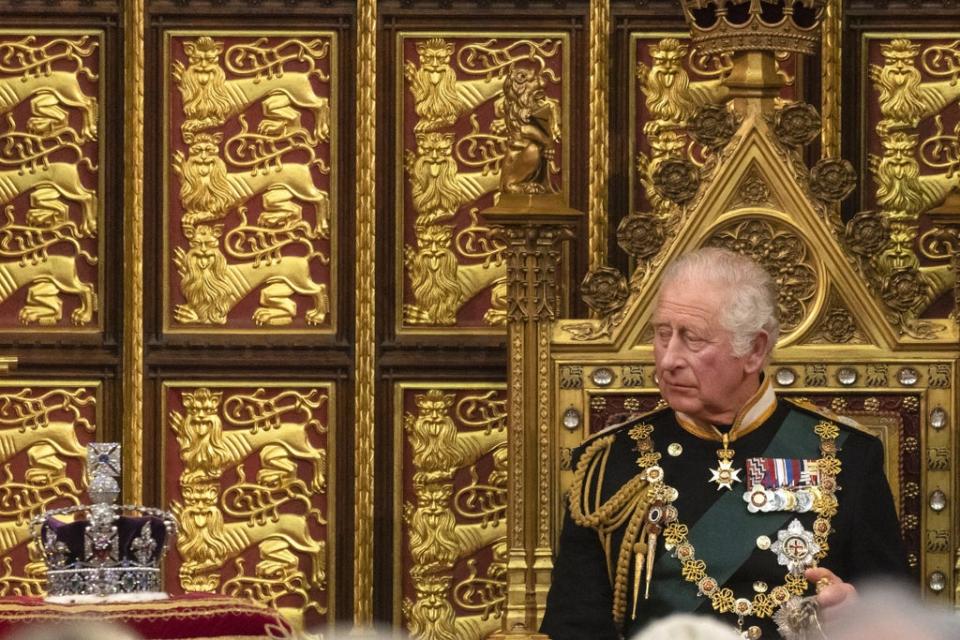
(755,359)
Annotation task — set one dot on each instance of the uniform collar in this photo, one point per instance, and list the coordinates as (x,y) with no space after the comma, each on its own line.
(754,413)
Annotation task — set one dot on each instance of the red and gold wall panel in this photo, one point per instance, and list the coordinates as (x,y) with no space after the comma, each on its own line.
(51,185)
(910,125)
(450,545)
(44,429)
(249,476)
(450,143)
(249,200)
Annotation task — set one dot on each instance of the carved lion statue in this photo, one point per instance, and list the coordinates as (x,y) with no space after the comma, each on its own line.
(532,125)
(432,616)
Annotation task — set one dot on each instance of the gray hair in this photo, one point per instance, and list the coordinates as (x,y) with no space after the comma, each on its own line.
(750,303)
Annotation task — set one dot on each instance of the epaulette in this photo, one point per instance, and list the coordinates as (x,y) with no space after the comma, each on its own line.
(621,421)
(823,412)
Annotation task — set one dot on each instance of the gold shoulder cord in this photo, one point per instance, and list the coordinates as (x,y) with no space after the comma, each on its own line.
(628,505)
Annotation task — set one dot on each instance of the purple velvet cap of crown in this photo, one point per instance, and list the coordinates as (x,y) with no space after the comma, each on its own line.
(128,529)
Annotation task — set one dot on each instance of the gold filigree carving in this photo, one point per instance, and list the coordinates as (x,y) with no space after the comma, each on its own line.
(441,285)
(784,255)
(447,526)
(837,325)
(604,290)
(275,165)
(912,177)
(641,235)
(44,82)
(796,124)
(209,191)
(902,193)
(275,513)
(832,179)
(676,179)
(753,191)
(671,100)
(366,340)
(441,265)
(713,125)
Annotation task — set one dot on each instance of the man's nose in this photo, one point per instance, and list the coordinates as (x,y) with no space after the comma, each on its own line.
(672,355)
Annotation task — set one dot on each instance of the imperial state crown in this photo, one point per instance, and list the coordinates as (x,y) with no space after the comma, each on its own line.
(108,551)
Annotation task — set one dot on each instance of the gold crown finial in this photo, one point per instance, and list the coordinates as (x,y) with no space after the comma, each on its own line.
(723,26)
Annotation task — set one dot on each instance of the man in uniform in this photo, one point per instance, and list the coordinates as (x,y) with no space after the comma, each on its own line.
(731,501)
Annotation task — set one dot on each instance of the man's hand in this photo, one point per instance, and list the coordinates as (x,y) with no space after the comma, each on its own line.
(831,590)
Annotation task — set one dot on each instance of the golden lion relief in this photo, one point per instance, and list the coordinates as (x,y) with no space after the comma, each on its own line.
(61,86)
(441,285)
(212,287)
(62,177)
(207,450)
(904,99)
(439,98)
(669,95)
(433,178)
(902,193)
(209,99)
(208,192)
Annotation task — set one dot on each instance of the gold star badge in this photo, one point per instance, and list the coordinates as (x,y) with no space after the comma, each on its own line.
(725,475)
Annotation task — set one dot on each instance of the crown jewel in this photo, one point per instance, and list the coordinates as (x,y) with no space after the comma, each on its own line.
(722,26)
(104,553)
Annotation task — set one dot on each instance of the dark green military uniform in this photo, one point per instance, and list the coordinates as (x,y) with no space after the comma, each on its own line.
(865,538)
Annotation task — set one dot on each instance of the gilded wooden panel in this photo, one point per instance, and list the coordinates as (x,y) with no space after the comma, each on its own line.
(671,82)
(451,475)
(252,495)
(906,238)
(451,141)
(50,179)
(249,175)
(44,429)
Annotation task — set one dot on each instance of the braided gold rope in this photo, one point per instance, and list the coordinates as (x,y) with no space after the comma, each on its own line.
(629,504)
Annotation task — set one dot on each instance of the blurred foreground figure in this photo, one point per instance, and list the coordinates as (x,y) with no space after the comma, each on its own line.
(681,626)
(730,502)
(75,630)
(885,611)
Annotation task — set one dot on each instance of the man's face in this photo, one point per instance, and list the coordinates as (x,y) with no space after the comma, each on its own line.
(699,374)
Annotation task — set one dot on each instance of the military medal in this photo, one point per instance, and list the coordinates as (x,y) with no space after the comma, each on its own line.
(725,474)
(795,548)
